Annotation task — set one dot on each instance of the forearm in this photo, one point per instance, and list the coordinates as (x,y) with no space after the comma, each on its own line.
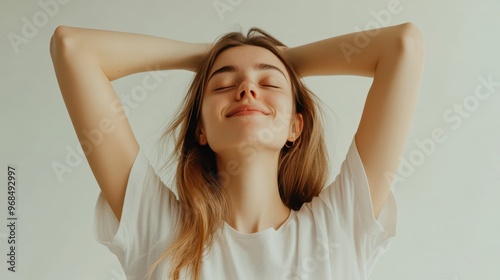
(120,54)
(350,54)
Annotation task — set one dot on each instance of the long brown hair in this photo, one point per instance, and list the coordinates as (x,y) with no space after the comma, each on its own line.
(203,199)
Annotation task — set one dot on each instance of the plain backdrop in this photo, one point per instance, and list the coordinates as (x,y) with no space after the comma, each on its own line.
(448,191)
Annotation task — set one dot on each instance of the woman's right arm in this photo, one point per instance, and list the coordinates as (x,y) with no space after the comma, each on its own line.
(85,62)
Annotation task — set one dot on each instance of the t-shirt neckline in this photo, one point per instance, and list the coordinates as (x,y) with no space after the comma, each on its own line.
(264,232)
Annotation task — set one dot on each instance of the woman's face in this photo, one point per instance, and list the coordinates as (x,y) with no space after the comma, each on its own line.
(248,76)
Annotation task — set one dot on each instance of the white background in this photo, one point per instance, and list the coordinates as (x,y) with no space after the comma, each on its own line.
(448,206)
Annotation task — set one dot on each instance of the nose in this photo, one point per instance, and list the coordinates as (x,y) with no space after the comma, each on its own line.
(248,89)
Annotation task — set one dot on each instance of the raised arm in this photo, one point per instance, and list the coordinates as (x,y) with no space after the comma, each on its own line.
(85,62)
(394,57)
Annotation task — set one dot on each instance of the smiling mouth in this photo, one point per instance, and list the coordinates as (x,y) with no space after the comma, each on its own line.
(246,110)
(247,113)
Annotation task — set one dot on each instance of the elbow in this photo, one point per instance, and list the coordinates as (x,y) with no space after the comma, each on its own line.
(410,39)
(56,39)
(60,40)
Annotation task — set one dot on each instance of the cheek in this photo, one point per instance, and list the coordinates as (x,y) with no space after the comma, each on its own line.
(211,111)
(208,107)
(282,104)
(284,110)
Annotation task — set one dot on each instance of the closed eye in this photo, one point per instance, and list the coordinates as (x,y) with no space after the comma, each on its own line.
(222,88)
(271,86)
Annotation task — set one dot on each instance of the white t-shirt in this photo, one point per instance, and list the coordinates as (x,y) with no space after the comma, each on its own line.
(335,236)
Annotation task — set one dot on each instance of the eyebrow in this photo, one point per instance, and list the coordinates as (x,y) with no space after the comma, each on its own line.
(256,66)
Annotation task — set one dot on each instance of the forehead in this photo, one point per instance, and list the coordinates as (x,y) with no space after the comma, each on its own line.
(246,56)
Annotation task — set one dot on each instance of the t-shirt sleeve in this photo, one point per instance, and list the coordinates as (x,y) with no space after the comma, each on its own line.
(351,204)
(147,222)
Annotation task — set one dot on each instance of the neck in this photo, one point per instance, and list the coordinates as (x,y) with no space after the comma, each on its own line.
(253,187)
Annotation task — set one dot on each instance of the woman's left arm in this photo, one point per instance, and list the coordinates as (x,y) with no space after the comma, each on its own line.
(394,57)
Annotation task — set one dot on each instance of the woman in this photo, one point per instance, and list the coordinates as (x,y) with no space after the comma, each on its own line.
(252,162)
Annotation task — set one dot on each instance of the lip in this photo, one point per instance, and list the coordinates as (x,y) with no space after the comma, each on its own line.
(245,110)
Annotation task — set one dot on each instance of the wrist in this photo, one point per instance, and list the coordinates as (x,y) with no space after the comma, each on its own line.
(198,52)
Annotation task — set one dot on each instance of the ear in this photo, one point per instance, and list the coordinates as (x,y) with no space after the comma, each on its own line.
(296,127)
(201,137)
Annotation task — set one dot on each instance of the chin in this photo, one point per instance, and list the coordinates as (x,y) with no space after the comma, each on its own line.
(249,145)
